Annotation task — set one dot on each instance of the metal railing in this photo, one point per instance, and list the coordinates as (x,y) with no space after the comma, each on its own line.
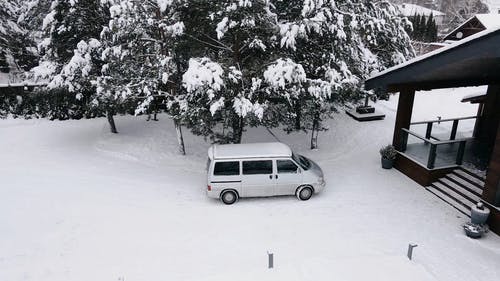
(454,128)
(433,147)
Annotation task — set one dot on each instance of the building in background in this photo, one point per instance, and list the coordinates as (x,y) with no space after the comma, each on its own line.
(474,25)
(411,10)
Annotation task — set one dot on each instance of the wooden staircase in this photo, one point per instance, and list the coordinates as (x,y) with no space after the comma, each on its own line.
(461,188)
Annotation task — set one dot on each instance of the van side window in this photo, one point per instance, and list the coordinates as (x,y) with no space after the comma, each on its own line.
(258,167)
(227,168)
(286,167)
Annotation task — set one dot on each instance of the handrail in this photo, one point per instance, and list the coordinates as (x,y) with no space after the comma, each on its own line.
(433,146)
(433,141)
(443,120)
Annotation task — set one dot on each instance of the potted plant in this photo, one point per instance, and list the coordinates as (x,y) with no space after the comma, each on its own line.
(388,154)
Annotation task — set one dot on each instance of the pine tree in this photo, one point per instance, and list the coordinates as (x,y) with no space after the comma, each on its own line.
(338,44)
(70,52)
(236,40)
(15,45)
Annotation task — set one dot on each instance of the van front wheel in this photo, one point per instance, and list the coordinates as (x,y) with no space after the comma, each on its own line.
(229,197)
(304,193)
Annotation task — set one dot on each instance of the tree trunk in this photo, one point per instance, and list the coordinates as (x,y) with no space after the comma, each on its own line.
(111,121)
(298,115)
(237,129)
(315,132)
(180,138)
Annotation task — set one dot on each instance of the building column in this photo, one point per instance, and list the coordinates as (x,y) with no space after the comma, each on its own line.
(403,115)
(491,191)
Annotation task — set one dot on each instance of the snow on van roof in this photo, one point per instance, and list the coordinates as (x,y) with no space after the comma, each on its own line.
(249,150)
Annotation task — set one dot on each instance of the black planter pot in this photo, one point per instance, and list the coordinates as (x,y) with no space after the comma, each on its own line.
(387,163)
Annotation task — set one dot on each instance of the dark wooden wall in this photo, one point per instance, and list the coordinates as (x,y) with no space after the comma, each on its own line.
(419,173)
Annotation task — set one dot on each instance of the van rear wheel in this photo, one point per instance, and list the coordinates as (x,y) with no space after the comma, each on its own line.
(229,197)
(304,193)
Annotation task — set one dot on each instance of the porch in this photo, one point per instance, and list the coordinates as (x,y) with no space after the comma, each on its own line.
(444,143)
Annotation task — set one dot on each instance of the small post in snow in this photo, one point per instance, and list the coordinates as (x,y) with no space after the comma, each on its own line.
(270,257)
(410,250)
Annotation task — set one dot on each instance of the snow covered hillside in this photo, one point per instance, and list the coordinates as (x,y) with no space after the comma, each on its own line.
(79,203)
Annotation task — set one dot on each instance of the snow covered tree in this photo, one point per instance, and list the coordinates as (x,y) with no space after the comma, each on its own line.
(141,46)
(16,48)
(284,62)
(70,50)
(338,44)
(235,40)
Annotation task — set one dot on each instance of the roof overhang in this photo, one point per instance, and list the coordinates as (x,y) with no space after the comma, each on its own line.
(473,61)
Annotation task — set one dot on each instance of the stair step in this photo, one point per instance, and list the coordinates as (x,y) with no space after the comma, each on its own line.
(464,192)
(438,193)
(454,195)
(479,177)
(466,176)
(458,180)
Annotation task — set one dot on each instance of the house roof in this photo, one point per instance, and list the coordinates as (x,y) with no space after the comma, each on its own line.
(249,150)
(472,61)
(488,21)
(477,97)
(409,10)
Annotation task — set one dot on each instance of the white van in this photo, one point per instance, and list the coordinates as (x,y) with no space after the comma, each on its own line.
(260,170)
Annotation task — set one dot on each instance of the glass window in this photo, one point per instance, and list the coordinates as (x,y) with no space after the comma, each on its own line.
(303,162)
(286,166)
(227,168)
(258,167)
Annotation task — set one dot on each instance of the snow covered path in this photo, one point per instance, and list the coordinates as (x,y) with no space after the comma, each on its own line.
(77,203)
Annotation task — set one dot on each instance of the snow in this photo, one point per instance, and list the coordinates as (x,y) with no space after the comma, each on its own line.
(250,150)
(284,72)
(489,20)
(409,10)
(436,52)
(203,73)
(80,203)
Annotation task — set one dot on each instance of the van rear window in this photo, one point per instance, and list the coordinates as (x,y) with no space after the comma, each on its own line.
(231,168)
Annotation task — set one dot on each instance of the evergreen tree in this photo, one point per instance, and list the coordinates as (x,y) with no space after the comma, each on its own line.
(223,87)
(15,45)
(70,50)
(431,30)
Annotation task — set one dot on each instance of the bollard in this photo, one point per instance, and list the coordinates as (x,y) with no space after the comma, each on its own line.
(270,257)
(410,250)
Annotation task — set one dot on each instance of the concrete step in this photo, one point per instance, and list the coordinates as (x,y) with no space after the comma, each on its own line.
(468,177)
(465,184)
(438,193)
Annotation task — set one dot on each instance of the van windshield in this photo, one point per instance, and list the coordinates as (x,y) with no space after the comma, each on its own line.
(302,161)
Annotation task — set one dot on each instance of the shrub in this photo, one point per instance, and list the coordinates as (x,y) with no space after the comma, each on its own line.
(388,152)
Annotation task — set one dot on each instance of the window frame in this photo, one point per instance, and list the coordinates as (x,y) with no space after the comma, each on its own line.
(257,160)
(227,161)
(297,170)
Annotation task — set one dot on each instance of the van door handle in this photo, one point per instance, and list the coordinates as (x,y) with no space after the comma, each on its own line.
(276,176)
(270,177)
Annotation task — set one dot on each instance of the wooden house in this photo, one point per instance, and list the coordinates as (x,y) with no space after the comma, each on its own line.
(438,162)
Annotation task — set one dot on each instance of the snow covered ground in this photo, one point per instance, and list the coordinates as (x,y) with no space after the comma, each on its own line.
(78,203)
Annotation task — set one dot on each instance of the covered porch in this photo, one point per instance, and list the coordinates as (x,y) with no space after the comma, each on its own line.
(431,149)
